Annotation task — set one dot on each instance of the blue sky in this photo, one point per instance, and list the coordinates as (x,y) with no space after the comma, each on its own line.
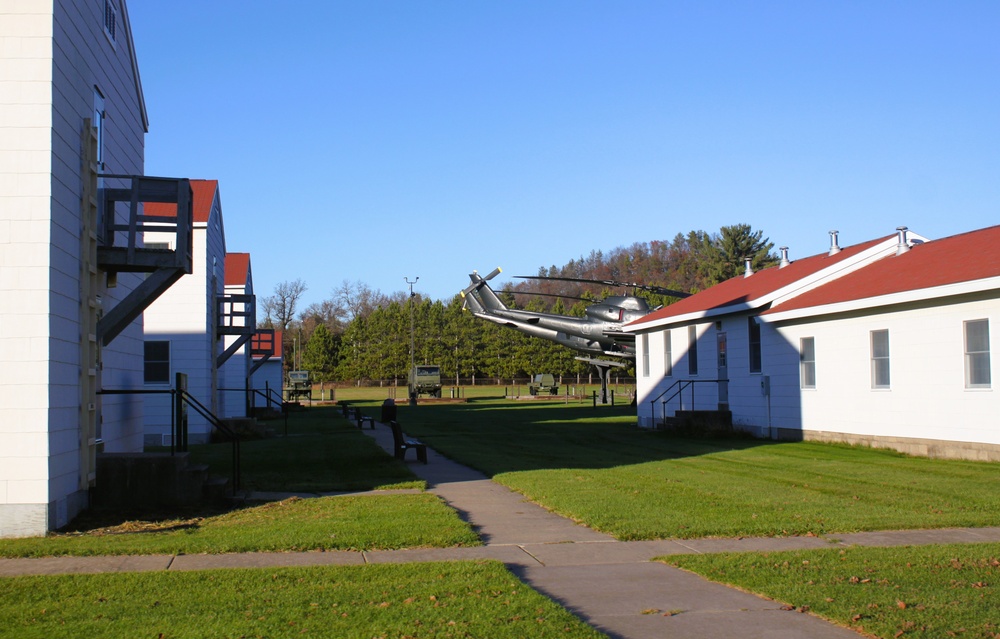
(383,140)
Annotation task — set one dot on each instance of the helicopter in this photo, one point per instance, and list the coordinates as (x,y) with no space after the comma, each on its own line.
(598,334)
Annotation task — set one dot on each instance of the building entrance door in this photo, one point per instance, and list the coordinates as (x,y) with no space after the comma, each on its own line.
(723,376)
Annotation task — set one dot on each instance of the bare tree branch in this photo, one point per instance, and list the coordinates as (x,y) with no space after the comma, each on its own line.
(280,307)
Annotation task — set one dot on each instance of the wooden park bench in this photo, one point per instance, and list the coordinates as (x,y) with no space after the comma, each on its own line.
(401,444)
(361,418)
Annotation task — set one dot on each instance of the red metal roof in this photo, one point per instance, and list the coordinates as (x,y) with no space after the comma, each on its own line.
(204,194)
(237,268)
(951,260)
(743,290)
(255,342)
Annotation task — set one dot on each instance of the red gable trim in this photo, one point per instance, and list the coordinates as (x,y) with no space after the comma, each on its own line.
(255,343)
(745,290)
(204,192)
(237,269)
(951,260)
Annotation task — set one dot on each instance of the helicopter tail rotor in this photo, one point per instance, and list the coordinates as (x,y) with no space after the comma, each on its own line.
(481,294)
(478,281)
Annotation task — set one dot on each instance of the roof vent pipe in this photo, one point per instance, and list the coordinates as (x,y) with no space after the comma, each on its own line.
(834,249)
(749,270)
(784,257)
(902,246)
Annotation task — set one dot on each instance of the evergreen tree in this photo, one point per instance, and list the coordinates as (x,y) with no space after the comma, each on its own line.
(725,255)
(321,354)
(376,328)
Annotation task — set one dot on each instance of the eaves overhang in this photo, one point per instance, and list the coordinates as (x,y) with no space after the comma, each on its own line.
(776,315)
(879,250)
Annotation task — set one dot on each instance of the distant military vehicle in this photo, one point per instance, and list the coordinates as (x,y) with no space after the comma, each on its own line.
(299,385)
(542,384)
(425,380)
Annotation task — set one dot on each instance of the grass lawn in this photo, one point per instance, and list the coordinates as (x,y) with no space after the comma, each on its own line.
(457,599)
(594,466)
(912,592)
(322,452)
(327,523)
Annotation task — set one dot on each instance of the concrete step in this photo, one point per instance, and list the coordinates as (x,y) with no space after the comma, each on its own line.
(215,490)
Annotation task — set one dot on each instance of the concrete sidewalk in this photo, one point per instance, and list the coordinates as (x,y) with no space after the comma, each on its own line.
(611,585)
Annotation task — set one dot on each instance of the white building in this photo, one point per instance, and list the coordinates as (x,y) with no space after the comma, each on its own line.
(267,372)
(885,343)
(236,314)
(71,111)
(182,327)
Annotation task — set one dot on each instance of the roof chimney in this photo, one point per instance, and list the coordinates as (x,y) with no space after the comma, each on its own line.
(784,257)
(834,249)
(902,246)
(749,270)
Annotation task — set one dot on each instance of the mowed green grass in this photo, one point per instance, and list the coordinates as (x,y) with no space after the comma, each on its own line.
(595,467)
(370,522)
(321,452)
(456,599)
(916,592)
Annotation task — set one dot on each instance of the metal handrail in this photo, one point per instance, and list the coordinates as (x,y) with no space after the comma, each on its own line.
(192,401)
(269,394)
(215,421)
(681,385)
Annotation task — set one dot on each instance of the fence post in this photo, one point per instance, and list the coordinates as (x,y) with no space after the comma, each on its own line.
(180,412)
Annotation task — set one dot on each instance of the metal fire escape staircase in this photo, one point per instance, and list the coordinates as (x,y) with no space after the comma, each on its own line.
(108,247)
(237,316)
(120,249)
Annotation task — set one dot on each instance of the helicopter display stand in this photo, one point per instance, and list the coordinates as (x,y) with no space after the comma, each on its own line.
(603,366)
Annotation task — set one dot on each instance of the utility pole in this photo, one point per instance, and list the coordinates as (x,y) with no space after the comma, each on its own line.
(411,375)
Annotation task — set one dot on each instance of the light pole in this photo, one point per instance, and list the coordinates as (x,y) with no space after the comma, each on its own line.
(412,376)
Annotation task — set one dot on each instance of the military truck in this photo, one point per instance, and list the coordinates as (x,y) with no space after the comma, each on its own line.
(543,383)
(299,385)
(425,380)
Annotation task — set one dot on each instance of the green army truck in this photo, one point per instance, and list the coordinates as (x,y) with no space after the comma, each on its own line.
(542,384)
(299,385)
(425,380)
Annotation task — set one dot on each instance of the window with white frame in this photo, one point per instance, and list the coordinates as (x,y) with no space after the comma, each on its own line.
(98,123)
(977,354)
(880,358)
(156,362)
(668,354)
(807,362)
(753,339)
(644,339)
(692,350)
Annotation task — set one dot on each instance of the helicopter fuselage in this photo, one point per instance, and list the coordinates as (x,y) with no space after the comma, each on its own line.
(599,332)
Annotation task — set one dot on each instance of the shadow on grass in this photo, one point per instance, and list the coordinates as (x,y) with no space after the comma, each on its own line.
(501,436)
(321,453)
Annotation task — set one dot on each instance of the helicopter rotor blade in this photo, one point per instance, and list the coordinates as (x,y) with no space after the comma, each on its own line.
(567,297)
(479,280)
(659,290)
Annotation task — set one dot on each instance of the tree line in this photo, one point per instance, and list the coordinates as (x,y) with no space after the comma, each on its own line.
(363,334)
